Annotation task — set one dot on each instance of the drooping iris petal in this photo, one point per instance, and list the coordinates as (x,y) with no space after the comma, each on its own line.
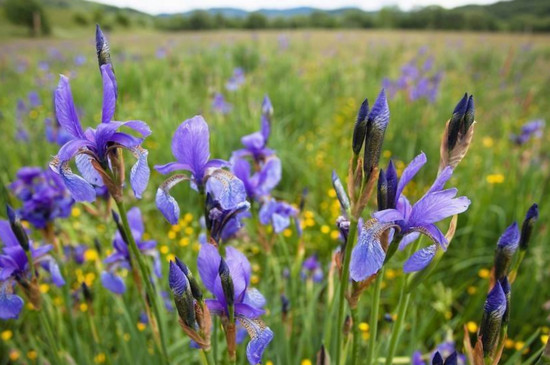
(53,268)
(112,282)
(408,239)
(191,145)
(80,189)
(165,202)
(65,110)
(410,171)
(139,174)
(254,298)
(420,259)
(260,337)
(86,169)
(226,189)
(109,93)
(368,255)
(10,304)
(280,222)
(269,176)
(135,221)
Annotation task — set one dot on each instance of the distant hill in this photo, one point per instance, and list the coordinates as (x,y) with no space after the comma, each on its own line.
(69,17)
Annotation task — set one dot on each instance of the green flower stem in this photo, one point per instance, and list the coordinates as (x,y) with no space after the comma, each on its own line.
(356,334)
(344,285)
(144,271)
(207,357)
(45,324)
(404,299)
(373,323)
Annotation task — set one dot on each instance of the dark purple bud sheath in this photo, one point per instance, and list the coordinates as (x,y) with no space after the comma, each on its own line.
(506,288)
(506,248)
(195,289)
(86,292)
(17,228)
(452,359)
(527,226)
(392,181)
(360,129)
(491,322)
(456,121)
(228,289)
(437,359)
(469,116)
(341,193)
(182,294)
(378,120)
(102,48)
(382,191)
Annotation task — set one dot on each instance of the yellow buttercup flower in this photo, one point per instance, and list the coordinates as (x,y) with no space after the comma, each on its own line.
(472,327)
(6,335)
(495,178)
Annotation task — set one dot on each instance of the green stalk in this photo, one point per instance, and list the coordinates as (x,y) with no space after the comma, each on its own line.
(373,322)
(207,357)
(45,323)
(355,343)
(145,276)
(344,285)
(403,305)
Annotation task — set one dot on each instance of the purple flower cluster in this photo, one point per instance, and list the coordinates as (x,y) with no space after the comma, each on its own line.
(236,80)
(16,269)
(417,79)
(532,129)
(43,195)
(220,105)
(247,302)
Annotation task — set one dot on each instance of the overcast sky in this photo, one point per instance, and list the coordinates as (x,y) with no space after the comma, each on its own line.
(177,6)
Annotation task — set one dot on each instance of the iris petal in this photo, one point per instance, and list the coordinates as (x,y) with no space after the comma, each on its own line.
(165,202)
(10,304)
(112,282)
(420,259)
(139,174)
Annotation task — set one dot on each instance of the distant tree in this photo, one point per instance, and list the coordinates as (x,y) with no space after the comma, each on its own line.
(200,20)
(255,20)
(29,13)
(321,19)
(122,19)
(80,19)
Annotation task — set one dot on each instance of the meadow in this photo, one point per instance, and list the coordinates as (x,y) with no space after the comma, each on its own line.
(316,81)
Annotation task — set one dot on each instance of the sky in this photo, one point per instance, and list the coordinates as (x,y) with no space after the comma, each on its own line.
(178,6)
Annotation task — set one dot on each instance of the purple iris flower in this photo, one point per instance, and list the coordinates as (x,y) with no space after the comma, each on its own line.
(436,204)
(278,214)
(248,302)
(532,129)
(121,257)
(236,80)
(311,268)
(191,148)
(260,183)
(79,60)
(15,268)
(76,253)
(220,105)
(93,147)
(34,99)
(256,143)
(43,195)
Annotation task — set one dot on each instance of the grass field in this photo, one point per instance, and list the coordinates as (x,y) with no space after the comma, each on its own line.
(316,81)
